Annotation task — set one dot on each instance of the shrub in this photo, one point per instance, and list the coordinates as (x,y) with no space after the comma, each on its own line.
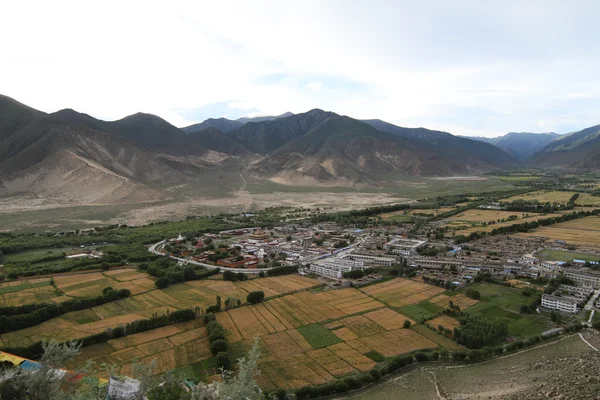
(474,294)
(124,293)
(229,276)
(222,360)
(261,274)
(406,324)
(255,297)
(162,282)
(421,357)
(218,346)
(206,318)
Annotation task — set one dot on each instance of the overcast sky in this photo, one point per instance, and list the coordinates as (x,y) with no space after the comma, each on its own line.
(467,67)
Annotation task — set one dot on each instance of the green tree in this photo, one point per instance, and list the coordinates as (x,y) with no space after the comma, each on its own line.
(406,324)
(255,297)
(162,282)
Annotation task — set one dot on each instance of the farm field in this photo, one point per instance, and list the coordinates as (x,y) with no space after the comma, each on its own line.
(561,255)
(477,215)
(407,214)
(400,292)
(490,228)
(543,196)
(518,178)
(519,325)
(305,338)
(586,199)
(583,232)
(16,293)
(149,301)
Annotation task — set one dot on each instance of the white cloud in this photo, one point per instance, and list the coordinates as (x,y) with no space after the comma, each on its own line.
(399,61)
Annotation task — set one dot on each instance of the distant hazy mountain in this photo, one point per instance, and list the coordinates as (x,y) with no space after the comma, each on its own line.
(521,145)
(578,150)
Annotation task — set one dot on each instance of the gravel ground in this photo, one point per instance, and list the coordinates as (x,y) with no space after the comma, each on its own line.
(565,369)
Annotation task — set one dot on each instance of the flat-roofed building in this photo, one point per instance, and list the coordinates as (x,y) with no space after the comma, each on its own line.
(584,277)
(373,260)
(437,264)
(326,271)
(559,303)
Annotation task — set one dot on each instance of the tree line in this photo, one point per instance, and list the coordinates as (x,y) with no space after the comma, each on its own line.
(19,317)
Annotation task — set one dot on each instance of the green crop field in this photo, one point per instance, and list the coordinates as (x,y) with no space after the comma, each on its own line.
(318,336)
(422,311)
(561,255)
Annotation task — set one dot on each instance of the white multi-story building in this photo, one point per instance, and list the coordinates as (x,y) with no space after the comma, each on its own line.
(559,303)
(373,260)
(325,271)
(335,263)
(584,290)
(437,264)
(530,259)
(404,247)
(552,264)
(584,277)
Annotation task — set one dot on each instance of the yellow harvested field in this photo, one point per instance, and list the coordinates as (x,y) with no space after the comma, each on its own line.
(345,334)
(396,342)
(583,232)
(155,346)
(286,344)
(437,338)
(459,299)
(445,321)
(188,336)
(352,357)
(247,323)
(330,362)
(399,291)
(586,199)
(31,295)
(428,211)
(491,227)
(349,301)
(91,284)
(279,284)
(543,196)
(478,215)
(233,334)
(302,309)
(388,319)
(362,326)
(154,334)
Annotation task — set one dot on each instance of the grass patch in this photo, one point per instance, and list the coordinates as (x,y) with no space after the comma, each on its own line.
(561,255)
(519,325)
(375,356)
(18,288)
(442,340)
(318,336)
(420,312)
(502,296)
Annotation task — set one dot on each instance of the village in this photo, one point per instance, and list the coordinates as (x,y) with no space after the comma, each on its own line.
(348,257)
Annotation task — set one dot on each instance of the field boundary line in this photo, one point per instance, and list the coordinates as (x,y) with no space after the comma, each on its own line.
(586,342)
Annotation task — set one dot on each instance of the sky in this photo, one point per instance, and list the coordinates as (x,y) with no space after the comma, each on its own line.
(477,68)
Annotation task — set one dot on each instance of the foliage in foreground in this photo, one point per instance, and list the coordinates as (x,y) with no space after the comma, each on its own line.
(46,384)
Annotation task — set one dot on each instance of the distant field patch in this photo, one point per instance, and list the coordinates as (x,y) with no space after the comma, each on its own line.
(437,338)
(584,232)
(543,196)
(561,255)
(445,321)
(399,292)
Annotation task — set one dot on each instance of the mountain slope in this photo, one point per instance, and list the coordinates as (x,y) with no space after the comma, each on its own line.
(470,152)
(521,145)
(266,136)
(223,124)
(57,159)
(578,150)
(342,150)
(244,120)
(218,141)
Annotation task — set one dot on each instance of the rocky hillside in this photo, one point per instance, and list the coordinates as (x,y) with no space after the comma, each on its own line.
(521,145)
(575,151)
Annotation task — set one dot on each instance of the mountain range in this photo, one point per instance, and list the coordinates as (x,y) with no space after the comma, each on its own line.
(77,158)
